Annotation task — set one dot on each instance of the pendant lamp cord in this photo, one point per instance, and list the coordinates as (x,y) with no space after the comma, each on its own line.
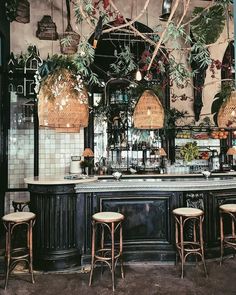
(68,15)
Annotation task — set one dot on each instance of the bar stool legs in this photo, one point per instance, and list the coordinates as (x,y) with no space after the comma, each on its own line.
(15,255)
(188,247)
(227,241)
(111,221)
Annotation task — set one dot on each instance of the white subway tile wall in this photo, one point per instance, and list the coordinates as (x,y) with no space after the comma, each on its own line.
(55,151)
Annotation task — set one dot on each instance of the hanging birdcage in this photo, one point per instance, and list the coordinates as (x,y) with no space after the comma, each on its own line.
(63,102)
(47,29)
(148,112)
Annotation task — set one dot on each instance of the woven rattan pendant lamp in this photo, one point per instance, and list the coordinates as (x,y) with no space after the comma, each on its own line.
(227,113)
(226,117)
(63,102)
(148,112)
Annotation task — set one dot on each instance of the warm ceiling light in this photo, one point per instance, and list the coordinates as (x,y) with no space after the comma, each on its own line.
(63,103)
(148,112)
(226,115)
(138,76)
(166,9)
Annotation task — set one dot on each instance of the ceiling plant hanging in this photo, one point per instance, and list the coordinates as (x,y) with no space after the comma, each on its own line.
(61,84)
(63,102)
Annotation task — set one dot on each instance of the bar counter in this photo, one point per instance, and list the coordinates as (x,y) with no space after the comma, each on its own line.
(62,233)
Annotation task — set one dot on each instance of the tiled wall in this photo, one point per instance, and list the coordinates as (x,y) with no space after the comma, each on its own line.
(55,151)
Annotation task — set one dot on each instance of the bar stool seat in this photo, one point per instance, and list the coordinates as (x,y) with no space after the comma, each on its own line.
(13,255)
(111,222)
(186,246)
(19,205)
(227,240)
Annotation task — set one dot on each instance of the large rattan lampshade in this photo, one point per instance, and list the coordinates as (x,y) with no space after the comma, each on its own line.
(148,112)
(227,113)
(63,102)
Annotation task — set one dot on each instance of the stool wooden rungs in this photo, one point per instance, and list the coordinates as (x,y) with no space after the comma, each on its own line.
(13,222)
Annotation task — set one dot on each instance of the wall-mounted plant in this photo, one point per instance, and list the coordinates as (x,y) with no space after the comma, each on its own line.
(208,24)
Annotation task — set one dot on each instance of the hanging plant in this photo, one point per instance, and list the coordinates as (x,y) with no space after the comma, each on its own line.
(209,24)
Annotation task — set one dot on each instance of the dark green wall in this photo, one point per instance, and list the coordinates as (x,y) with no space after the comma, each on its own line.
(5,49)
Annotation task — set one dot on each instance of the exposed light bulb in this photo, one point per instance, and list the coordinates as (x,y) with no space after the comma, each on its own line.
(149,112)
(233,113)
(138,75)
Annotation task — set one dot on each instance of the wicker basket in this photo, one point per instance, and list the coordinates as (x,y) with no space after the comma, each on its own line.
(148,112)
(67,109)
(227,114)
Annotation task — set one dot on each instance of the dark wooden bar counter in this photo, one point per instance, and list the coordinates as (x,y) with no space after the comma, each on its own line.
(64,210)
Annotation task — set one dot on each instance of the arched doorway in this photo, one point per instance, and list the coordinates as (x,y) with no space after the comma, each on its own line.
(121,91)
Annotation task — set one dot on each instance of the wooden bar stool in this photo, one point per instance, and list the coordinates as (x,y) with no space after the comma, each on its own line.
(229,240)
(112,221)
(192,219)
(19,205)
(14,255)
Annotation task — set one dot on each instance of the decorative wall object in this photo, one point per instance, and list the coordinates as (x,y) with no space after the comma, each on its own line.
(47,29)
(63,102)
(18,10)
(148,112)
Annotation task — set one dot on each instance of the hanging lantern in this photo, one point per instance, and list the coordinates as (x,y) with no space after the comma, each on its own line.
(63,102)
(148,112)
(227,113)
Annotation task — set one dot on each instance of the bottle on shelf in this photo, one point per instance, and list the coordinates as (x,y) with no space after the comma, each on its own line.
(214,161)
(111,143)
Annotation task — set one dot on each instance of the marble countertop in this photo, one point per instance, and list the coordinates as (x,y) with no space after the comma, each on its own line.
(159,184)
(164,182)
(58,179)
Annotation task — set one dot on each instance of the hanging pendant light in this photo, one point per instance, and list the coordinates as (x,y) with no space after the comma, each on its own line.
(138,75)
(63,102)
(227,114)
(148,112)
(166,9)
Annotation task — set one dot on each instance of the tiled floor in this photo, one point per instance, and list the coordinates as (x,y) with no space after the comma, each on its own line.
(142,279)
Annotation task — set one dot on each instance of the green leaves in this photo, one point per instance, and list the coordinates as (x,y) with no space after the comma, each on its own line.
(11,8)
(179,73)
(200,55)
(173,33)
(209,24)
(124,63)
(189,151)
